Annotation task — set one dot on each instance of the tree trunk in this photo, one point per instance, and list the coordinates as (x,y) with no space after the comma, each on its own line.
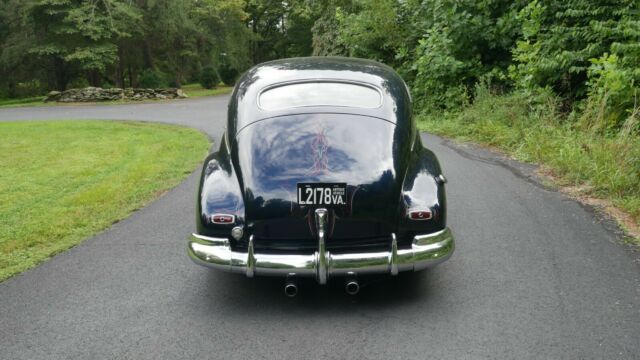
(119,77)
(149,62)
(94,78)
(11,88)
(60,71)
(133,80)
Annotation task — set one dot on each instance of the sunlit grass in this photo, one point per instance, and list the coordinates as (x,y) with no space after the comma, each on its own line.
(196,90)
(63,181)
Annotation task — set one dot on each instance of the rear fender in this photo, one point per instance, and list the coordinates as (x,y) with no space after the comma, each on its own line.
(422,190)
(219,193)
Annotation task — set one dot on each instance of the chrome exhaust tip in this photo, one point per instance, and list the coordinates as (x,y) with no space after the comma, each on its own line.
(352,287)
(290,286)
(291,290)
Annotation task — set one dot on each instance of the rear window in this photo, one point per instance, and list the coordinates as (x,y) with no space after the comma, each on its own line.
(319,94)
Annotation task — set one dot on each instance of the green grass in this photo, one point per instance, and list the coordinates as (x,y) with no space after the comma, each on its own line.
(196,90)
(608,166)
(30,101)
(64,181)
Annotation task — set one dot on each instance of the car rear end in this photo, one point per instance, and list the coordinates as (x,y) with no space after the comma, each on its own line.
(327,178)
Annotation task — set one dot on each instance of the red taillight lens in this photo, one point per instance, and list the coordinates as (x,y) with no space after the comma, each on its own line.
(420,215)
(222,219)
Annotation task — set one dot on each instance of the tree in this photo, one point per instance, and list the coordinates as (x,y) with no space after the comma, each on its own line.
(78,35)
(326,30)
(561,37)
(372,30)
(209,78)
(280,28)
(442,47)
(223,37)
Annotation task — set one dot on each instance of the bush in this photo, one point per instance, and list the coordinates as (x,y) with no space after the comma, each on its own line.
(566,47)
(209,78)
(532,129)
(172,80)
(439,74)
(77,83)
(151,79)
(228,75)
(613,93)
(24,90)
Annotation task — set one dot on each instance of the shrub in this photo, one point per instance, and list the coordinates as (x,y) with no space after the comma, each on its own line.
(566,43)
(209,78)
(437,73)
(532,128)
(228,75)
(28,89)
(172,80)
(151,79)
(613,96)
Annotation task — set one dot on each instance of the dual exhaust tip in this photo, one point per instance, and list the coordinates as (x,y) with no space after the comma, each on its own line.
(351,287)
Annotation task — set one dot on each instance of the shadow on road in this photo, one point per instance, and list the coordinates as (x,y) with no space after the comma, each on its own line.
(266,294)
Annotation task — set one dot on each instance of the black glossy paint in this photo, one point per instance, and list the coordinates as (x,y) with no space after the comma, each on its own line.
(377,152)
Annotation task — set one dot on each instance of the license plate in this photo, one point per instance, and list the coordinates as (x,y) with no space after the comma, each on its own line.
(322,194)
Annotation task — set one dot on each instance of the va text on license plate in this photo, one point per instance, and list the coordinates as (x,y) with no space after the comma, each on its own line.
(325,194)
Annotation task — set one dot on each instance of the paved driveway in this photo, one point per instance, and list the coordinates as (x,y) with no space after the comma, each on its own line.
(535,275)
(206,113)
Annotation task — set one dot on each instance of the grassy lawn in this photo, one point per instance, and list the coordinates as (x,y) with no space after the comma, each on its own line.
(588,165)
(192,90)
(30,101)
(64,181)
(195,90)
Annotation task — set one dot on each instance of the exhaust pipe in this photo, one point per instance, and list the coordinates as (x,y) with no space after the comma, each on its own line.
(291,287)
(352,287)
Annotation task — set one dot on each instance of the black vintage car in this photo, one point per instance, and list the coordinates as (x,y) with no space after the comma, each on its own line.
(321,173)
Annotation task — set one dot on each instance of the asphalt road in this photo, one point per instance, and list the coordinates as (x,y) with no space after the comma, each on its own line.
(535,275)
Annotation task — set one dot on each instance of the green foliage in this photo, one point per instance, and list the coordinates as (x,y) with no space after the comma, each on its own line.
(587,52)
(372,31)
(26,89)
(532,129)
(62,43)
(209,78)
(613,95)
(228,75)
(582,49)
(78,33)
(196,90)
(279,28)
(437,68)
(442,47)
(151,79)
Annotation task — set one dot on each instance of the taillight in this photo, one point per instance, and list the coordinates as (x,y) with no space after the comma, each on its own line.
(223,219)
(420,215)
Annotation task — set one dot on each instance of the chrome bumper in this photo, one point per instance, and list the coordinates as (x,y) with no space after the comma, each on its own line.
(426,250)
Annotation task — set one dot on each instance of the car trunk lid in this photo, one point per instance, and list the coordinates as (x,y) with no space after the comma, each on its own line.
(274,155)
